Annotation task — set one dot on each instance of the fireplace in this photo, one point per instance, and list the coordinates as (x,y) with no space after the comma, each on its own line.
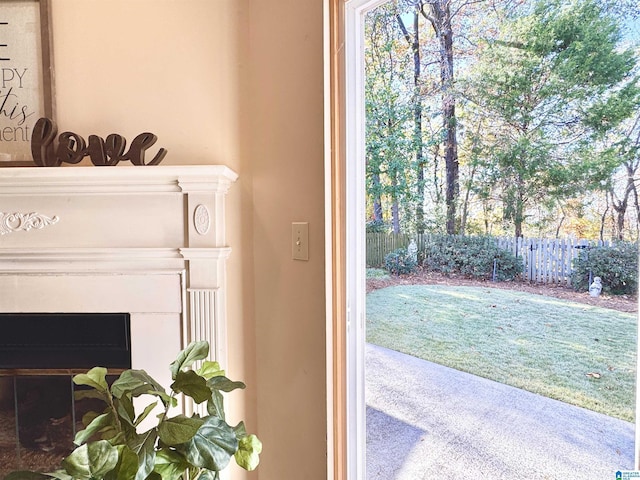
(39,353)
(142,247)
(64,341)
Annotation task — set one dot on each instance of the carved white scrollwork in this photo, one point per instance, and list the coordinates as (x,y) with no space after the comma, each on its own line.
(14,222)
(202,219)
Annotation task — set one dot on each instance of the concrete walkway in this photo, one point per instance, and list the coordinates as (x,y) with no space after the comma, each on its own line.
(428,422)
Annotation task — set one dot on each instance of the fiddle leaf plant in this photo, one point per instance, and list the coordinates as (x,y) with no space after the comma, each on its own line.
(179,447)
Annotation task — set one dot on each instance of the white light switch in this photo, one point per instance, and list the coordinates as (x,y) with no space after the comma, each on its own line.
(300,240)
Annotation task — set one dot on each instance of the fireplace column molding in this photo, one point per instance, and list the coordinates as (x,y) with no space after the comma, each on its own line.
(206,255)
(206,302)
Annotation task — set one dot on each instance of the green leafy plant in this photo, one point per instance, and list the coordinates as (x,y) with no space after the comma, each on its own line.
(400,262)
(473,257)
(617,266)
(377,226)
(176,448)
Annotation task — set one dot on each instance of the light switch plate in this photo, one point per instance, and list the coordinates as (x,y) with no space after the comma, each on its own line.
(300,240)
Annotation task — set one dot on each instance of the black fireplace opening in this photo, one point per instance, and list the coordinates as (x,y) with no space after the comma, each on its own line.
(40,412)
(65,340)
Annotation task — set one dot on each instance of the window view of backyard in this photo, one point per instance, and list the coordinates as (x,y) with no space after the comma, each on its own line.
(503,220)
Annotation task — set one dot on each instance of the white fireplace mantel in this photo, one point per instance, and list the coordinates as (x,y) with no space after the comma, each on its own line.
(145,240)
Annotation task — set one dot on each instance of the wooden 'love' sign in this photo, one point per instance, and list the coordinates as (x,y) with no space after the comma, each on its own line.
(72,148)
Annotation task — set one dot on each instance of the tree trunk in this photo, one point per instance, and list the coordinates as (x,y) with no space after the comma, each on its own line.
(414,43)
(562,219)
(395,209)
(620,206)
(437,187)
(603,219)
(518,216)
(440,17)
(377,199)
(518,221)
(636,202)
(417,132)
(465,204)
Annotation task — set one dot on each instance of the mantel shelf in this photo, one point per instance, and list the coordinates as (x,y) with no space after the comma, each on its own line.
(120,179)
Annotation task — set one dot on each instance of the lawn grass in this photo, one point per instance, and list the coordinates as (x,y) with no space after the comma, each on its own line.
(572,352)
(377,273)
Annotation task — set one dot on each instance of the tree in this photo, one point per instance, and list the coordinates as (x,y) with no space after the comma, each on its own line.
(388,113)
(623,147)
(551,83)
(450,19)
(413,39)
(439,14)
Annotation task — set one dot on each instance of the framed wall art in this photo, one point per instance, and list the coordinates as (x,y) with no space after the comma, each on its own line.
(26,76)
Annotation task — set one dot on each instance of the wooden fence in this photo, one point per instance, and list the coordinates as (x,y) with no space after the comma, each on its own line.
(544,260)
(547,260)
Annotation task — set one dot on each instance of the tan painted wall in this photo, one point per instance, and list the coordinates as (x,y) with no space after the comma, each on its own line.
(236,82)
(286,71)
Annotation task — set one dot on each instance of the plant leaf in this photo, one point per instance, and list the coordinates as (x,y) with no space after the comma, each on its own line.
(215,406)
(193,385)
(209,475)
(91,460)
(224,384)
(126,410)
(145,450)
(110,433)
(135,382)
(88,417)
(170,465)
(240,430)
(127,464)
(248,454)
(195,351)
(97,424)
(59,474)
(210,369)
(213,445)
(82,394)
(96,378)
(179,429)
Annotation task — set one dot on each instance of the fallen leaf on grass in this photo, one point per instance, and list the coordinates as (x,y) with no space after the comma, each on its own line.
(594,375)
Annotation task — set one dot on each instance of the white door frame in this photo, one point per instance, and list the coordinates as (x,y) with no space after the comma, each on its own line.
(355,11)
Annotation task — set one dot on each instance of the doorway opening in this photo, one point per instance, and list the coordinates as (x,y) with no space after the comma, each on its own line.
(355,215)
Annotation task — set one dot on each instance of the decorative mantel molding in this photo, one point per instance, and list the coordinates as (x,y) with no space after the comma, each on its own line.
(202,219)
(15,222)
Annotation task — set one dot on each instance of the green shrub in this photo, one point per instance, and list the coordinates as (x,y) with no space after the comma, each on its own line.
(471,257)
(377,226)
(617,266)
(399,262)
